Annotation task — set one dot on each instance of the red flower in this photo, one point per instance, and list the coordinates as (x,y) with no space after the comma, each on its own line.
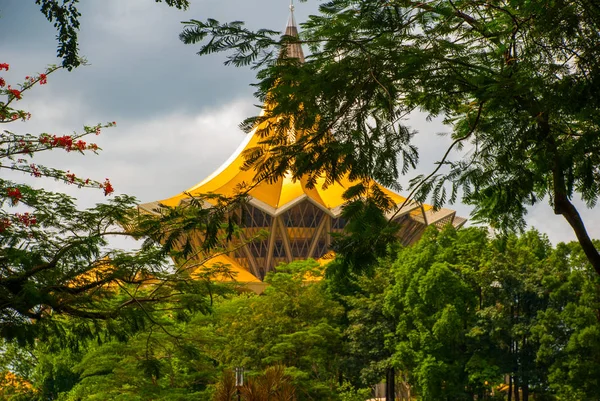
(35,171)
(16,93)
(80,145)
(107,186)
(70,177)
(63,141)
(26,219)
(4,66)
(2,82)
(15,195)
(43,79)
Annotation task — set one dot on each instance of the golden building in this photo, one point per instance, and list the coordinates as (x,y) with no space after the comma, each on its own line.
(299,219)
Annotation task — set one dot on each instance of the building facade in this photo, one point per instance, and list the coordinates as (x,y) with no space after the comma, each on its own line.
(299,219)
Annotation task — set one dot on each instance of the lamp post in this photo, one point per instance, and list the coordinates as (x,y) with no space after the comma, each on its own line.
(239,379)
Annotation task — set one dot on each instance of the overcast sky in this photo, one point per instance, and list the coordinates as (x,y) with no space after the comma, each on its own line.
(177,113)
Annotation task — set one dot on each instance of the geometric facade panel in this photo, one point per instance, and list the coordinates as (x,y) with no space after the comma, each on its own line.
(300,232)
(303,231)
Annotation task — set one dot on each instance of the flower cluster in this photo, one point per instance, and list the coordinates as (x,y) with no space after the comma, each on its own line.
(3,66)
(16,93)
(70,177)
(42,79)
(14,194)
(26,219)
(24,146)
(14,114)
(107,186)
(29,81)
(35,171)
(67,142)
(80,145)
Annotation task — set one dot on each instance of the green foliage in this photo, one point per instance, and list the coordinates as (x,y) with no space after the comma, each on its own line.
(348,393)
(152,365)
(569,331)
(370,332)
(516,82)
(452,316)
(433,302)
(469,311)
(294,323)
(165,361)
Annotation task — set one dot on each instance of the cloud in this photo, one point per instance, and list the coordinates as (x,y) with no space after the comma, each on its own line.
(163,156)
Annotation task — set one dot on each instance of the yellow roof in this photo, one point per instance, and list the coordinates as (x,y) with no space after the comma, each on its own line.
(230,177)
(227,179)
(239,273)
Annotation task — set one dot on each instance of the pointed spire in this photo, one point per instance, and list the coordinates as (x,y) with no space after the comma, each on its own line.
(294,50)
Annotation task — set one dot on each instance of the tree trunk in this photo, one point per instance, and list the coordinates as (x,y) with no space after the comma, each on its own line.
(563,206)
(516,369)
(510,387)
(390,385)
(525,369)
(562,203)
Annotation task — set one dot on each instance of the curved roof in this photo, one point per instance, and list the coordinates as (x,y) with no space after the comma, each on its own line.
(226,181)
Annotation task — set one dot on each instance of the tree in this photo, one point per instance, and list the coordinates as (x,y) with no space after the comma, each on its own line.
(55,260)
(515,280)
(149,366)
(166,360)
(568,330)
(294,323)
(434,303)
(472,311)
(370,333)
(517,82)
